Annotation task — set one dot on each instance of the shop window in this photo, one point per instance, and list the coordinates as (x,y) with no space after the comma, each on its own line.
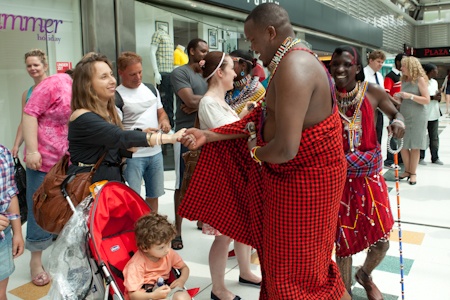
(52,26)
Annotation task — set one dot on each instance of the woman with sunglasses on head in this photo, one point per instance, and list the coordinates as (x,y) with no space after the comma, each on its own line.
(219,72)
(95,127)
(247,90)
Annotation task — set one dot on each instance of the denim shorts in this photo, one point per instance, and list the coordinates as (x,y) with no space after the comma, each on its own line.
(6,257)
(149,168)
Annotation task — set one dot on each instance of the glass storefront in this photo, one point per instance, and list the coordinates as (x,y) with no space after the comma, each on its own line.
(49,25)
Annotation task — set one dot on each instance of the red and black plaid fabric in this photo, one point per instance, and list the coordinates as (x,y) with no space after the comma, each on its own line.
(365,214)
(288,212)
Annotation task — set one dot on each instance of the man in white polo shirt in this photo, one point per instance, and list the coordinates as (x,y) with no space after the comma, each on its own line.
(142,108)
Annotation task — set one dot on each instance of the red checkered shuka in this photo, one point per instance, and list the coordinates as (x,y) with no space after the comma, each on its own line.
(365,214)
(288,211)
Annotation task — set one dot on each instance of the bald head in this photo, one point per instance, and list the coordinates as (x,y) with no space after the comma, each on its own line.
(271,14)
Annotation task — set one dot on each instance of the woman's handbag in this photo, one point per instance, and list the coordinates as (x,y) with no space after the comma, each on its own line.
(51,209)
(20,177)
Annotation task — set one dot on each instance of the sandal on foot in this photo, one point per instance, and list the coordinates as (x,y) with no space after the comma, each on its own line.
(405,176)
(177,243)
(410,181)
(373,293)
(41,279)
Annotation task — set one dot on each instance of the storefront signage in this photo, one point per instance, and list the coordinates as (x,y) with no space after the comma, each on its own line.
(47,27)
(428,52)
(62,66)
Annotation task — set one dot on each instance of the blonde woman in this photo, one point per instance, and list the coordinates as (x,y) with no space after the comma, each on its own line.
(37,66)
(414,96)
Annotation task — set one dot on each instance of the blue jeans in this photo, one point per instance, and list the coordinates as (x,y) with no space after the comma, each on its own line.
(37,238)
(149,168)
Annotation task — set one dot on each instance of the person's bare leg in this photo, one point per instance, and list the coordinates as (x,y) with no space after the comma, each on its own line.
(243,255)
(345,268)
(405,157)
(218,256)
(177,243)
(374,257)
(36,268)
(3,285)
(346,296)
(413,162)
(447,103)
(153,202)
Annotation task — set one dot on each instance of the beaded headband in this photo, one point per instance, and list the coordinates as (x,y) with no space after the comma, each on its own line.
(217,68)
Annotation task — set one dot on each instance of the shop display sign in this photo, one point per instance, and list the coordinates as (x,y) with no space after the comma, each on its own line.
(62,66)
(46,28)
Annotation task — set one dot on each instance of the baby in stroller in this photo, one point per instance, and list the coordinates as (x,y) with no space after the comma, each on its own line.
(155,259)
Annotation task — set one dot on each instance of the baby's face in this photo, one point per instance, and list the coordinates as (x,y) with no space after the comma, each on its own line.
(158,250)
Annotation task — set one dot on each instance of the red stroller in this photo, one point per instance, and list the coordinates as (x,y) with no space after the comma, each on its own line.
(113,214)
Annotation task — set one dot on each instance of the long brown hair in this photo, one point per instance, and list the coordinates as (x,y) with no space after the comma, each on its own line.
(84,95)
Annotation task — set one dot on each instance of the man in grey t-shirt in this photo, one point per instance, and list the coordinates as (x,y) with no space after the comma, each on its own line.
(189,87)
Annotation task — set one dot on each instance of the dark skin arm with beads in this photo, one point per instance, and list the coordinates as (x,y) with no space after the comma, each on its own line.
(380,99)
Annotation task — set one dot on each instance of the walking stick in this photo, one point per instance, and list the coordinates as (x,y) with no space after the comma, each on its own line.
(397,185)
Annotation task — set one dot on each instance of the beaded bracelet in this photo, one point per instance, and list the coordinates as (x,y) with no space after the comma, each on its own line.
(253,154)
(31,153)
(399,122)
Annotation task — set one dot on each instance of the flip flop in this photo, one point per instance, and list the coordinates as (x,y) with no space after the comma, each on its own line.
(41,279)
(177,243)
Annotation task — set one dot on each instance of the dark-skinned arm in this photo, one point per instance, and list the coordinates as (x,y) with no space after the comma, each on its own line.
(381,100)
(190,100)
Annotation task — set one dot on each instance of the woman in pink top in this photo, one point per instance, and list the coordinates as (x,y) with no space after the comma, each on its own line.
(45,126)
(37,66)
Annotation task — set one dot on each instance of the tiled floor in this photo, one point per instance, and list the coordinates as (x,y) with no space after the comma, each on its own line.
(425,216)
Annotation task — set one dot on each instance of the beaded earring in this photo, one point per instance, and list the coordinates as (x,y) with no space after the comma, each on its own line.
(242,73)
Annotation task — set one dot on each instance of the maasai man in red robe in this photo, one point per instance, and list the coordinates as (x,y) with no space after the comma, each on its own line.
(283,199)
(365,216)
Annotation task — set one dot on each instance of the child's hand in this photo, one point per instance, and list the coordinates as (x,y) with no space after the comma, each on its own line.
(18,245)
(4,222)
(177,283)
(161,292)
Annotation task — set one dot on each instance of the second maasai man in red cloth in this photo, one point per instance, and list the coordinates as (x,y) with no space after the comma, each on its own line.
(365,217)
(283,199)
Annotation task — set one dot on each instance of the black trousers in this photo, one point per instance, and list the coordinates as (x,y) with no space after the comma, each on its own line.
(433,134)
(166,91)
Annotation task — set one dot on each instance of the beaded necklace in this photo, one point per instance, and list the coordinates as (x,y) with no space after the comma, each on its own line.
(242,82)
(287,44)
(235,98)
(348,99)
(353,128)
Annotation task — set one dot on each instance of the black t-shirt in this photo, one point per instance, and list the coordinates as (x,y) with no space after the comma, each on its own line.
(90,136)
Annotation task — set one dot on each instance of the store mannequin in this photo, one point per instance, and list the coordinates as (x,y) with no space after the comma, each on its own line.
(179,56)
(161,59)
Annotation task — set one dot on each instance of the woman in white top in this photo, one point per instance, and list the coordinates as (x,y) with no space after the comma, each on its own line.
(433,114)
(218,70)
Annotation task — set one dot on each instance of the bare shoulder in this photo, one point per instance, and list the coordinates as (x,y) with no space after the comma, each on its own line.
(78,113)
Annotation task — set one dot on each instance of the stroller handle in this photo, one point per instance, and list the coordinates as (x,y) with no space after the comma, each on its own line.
(66,181)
